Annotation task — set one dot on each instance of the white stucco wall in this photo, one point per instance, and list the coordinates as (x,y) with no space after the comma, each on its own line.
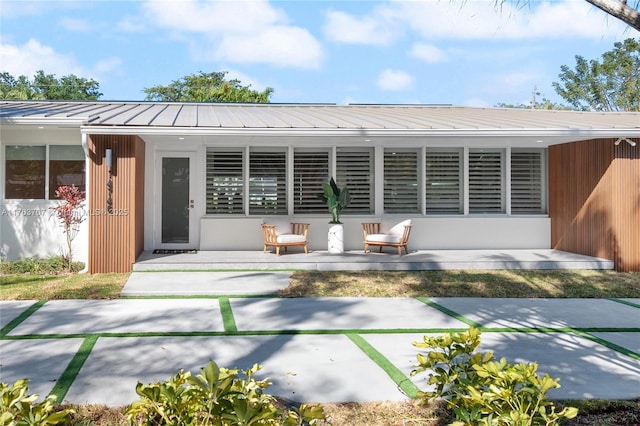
(29,227)
(428,233)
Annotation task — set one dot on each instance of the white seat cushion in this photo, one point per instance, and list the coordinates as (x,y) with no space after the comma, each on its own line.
(384,238)
(398,229)
(290,238)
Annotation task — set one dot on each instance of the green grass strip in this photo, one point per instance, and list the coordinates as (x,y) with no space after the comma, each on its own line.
(625,302)
(608,344)
(449,312)
(403,382)
(65,381)
(23,316)
(227,316)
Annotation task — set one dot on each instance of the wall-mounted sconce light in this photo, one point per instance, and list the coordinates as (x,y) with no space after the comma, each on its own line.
(627,140)
(108,160)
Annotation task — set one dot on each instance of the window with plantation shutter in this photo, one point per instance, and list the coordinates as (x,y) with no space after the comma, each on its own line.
(444,181)
(225,186)
(354,170)
(401,182)
(267,183)
(527,182)
(310,169)
(486,182)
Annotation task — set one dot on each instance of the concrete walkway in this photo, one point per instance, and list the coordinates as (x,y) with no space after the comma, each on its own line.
(313,349)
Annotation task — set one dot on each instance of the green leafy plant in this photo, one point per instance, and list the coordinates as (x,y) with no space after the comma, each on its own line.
(483,391)
(19,409)
(337,199)
(216,396)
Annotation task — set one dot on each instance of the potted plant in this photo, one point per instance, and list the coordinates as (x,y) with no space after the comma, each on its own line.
(337,199)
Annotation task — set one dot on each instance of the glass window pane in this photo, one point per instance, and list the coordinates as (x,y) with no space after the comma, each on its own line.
(527,192)
(443,180)
(486,183)
(25,172)
(355,171)
(225,185)
(401,182)
(267,183)
(310,169)
(66,167)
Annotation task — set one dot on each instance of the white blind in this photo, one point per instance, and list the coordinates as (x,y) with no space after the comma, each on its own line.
(354,169)
(485,182)
(310,169)
(527,193)
(401,182)
(225,186)
(443,182)
(267,183)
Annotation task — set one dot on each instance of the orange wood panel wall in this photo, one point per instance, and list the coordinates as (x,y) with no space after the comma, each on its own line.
(116,239)
(594,200)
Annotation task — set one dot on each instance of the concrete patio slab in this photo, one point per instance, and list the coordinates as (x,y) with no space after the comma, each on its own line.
(205,283)
(40,361)
(544,312)
(629,341)
(309,368)
(357,260)
(123,316)
(338,313)
(11,309)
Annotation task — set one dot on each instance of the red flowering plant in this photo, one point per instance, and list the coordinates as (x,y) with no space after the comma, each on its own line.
(70,215)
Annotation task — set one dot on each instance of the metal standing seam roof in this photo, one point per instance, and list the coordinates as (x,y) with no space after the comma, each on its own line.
(311,116)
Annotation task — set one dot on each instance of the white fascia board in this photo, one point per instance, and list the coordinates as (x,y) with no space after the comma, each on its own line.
(43,121)
(575,134)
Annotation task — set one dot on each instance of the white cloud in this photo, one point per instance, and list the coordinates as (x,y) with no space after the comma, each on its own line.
(238,31)
(429,53)
(33,56)
(343,28)
(279,46)
(484,20)
(395,80)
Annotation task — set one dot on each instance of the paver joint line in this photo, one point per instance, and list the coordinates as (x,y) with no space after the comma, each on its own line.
(63,384)
(20,318)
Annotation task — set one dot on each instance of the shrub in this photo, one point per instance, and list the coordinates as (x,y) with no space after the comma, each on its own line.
(217,396)
(18,408)
(35,265)
(483,391)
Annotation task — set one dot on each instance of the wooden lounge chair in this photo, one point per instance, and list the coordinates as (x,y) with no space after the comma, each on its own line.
(397,236)
(277,235)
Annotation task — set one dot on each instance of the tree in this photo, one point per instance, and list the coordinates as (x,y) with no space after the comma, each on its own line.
(48,87)
(620,10)
(612,84)
(207,87)
(70,215)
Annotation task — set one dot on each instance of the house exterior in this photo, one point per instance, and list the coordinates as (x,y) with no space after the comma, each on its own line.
(205,176)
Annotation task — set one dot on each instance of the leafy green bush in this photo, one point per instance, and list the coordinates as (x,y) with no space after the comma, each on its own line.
(217,396)
(483,391)
(35,265)
(19,409)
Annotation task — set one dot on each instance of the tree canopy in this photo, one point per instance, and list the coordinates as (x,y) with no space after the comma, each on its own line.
(610,84)
(48,87)
(207,87)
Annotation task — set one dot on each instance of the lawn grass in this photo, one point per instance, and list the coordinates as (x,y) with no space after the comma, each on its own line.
(61,286)
(499,283)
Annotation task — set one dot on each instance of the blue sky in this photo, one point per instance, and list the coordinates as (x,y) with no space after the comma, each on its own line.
(460,52)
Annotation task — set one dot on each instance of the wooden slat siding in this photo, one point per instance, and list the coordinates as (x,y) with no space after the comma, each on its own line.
(115,240)
(594,200)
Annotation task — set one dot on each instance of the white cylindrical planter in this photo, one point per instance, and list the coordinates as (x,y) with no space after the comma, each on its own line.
(336,238)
